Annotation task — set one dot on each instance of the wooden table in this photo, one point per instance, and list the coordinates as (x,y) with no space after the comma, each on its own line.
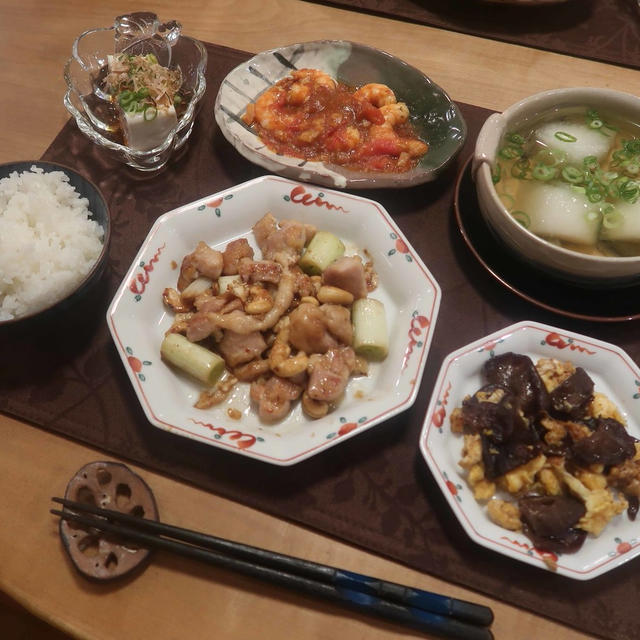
(176,598)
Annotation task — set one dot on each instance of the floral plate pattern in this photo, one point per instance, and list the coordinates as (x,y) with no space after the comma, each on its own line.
(137,319)
(614,373)
(435,116)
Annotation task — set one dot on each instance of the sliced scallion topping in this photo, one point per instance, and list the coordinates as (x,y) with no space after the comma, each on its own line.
(520,169)
(543,172)
(496,173)
(150,113)
(596,124)
(572,174)
(590,163)
(510,151)
(564,136)
(612,219)
(507,199)
(522,218)
(515,138)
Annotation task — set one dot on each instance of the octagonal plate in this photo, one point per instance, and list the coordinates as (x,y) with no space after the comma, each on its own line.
(614,373)
(137,319)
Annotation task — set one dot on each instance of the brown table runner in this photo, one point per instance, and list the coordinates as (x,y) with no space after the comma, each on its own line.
(372,490)
(603,30)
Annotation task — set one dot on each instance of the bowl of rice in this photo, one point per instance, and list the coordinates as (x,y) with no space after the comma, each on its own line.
(54,238)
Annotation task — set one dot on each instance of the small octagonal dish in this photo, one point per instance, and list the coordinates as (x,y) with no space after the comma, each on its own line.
(435,117)
(138,318)
(614,373)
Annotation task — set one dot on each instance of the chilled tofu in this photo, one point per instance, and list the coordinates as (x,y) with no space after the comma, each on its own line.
(626,225)
(588,142)
(144,134)
(557,211)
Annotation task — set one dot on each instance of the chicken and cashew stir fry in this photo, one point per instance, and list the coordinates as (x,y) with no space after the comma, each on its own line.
(295,322)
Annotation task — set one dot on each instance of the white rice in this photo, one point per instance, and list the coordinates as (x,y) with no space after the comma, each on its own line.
(48,244)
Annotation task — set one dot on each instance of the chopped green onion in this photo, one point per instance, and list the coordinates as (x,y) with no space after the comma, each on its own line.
(510,151)
(522,218)
(142,93)
(125,98)
(551,157)
(564,136)
(612,219)
(596,124)
(520,168)
(573,174)
(515,138)
(576,189)
(150,113)
(594,193)
(543,172)
(632,146)
(507,199)
(177,100)
(590,163)
(629,191)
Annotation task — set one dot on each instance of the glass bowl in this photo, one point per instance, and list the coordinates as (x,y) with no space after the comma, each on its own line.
(96,112)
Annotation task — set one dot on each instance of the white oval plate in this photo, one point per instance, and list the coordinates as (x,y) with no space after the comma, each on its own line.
(434,115)
(614,374)
(137,319)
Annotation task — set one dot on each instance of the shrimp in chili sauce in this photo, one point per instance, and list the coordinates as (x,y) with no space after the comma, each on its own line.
(311,116)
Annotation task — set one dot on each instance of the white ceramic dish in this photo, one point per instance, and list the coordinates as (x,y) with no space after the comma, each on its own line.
(613,372)
(434,115)
(137,319)
(564,263)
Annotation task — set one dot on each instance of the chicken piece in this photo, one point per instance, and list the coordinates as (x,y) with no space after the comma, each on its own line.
(203,261)
(304,284)
(347,273)
(554,372)
(274,397)
(238,348)
(504,514)
(211,397)
(240,322)
(253,271)
(251,370)
(174,300)
(329,373)
(308,330)
(338,322)
(284,241)
(235,251)
(200,325)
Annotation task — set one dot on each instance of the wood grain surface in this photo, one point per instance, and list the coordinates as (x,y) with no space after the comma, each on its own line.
(176,598)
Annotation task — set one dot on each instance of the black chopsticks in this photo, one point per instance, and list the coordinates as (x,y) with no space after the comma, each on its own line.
(422,610)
